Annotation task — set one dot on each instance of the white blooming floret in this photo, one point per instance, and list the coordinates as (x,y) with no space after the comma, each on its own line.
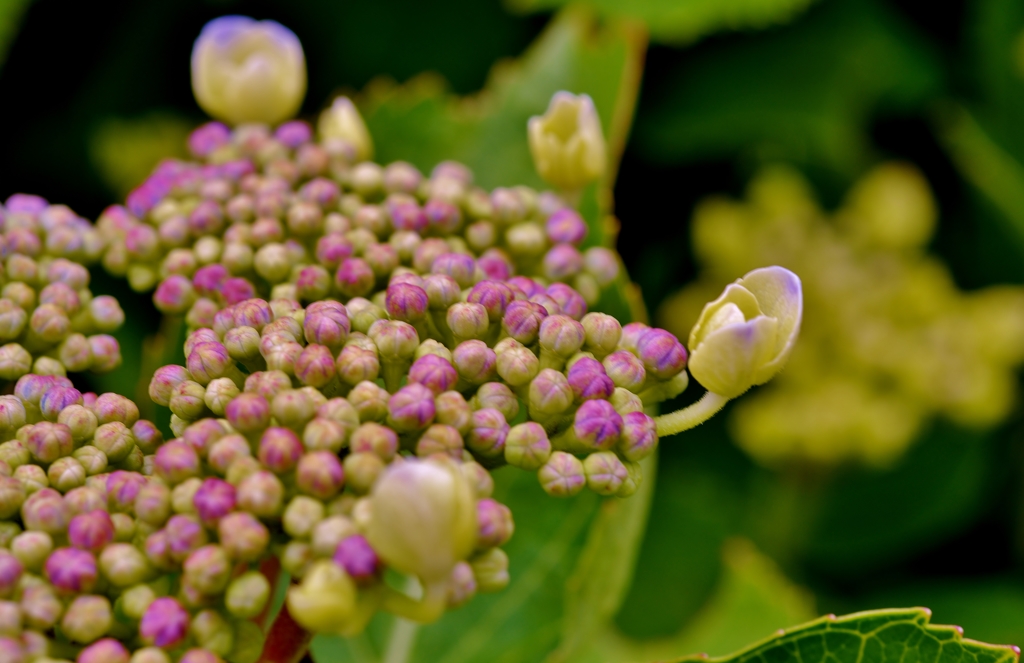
(245,70)
(566,142)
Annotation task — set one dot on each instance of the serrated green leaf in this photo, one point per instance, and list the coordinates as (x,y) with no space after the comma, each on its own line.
(422,123)
(680,22)
(876,636)
(803,93)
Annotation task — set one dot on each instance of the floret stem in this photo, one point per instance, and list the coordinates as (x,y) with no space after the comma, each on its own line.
(287,642)
(690,416)
(427,609)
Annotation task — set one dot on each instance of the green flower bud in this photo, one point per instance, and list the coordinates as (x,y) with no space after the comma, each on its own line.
(329,532)
(134,601)
(342,122)
(32,477)
(605,472)
(184,494)
(12,320)
(87,618)
(92,460)
(566,142)
(249,641)
(10,619)
(325,599)
(150,655)
(80,420)
(218,394)
(247,595)
(12,416)
(490,570)
(296,558)
(14,453)
(744,337)
(15,361)
(32,549)
(301,515)
(423,518)
(634,477)
(293,408)
(479,478)
(362,470)
(261,494)
(527,446)
(369,400)
(124,565)
(562,475)
(124,527)
(187,400)
(212,632)
(75,353)
(65,474)
(115,440)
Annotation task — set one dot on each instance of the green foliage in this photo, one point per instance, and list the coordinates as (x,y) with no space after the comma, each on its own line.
(749,100)
(10,16)
(872,637)
(675,22)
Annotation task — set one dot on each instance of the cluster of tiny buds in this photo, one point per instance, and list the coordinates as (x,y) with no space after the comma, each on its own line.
(50,322)
(278,215)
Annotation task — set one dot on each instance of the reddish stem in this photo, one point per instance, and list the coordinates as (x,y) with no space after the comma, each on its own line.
(287,642)
(271,570)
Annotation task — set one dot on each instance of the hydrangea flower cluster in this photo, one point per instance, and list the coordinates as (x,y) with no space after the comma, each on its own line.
(50,322)
(365,344)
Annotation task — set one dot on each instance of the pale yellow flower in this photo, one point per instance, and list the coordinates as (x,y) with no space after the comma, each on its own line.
(566,142)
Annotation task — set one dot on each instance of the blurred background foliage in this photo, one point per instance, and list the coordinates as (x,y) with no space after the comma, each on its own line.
(745,131)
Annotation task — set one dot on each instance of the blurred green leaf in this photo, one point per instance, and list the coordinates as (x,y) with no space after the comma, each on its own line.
(11,12)
(422,123)
(125,151)
(599,583)
(867,519)
(682,21)
(991,609)
(753,599)
(875,636)
(803,93)
(996,51)
(520,623)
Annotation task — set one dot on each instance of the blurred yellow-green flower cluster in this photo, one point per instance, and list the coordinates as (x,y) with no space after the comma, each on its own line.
(889,340)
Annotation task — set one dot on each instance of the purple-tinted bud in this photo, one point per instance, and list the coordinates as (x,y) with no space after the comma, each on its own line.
(588,380)
(495,525)
(176,461)
(354,277)
(411,408)
(442,216)
(175,295)
(199,336)
(562,261)
(626,370)
(602,333)
(321,191)
(147,436)
(662,353)
(10,573)
(202,434)
(440,439)
(332,250)
(253,313)
(293,408)
(106,353)
(122,490)
(184,535)
(406,302)
(115,440)
(207,570)
(488,430)
(562,475)
(62,296)
(407,216)
(358,558)
(394,339)
(382,259)
(474,361)
(561,335)
(442,291)
(225,450)
(320,474)
(164,381)
(376,439)
(467,321)
(566,225)
(49,323)
(294,133)
(242,343)
(602,264)
(569,301)
(370,401)
(243,536)
(236,290)
(208,280)
(315,365)
(597,425)
(248,413)
(527,446)
(48,441)
(12,498)
(550,393)
(75,353)
(27,203)
(203,313)
(453,410)
(206,219)
(214,500)
(15,361)
(71,571)
(40,607)
(208,360)
(280,449)
(495,264)
(433,372)
(356,364)
(12,320)
(313,283)
(458,266)
(91,531)
(207,138)
(631,334)
(639,436)
(605,472)
(198,655)
(516,364)
(261,494)
(107,650)
(304,219)
(522,321)
(153,503)
(165,623)
(498,396)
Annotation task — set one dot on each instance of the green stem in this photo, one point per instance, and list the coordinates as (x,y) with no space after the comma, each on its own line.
(691,416)
(425,610)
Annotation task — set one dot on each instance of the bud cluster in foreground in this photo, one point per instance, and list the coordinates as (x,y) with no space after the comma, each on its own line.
(50,322)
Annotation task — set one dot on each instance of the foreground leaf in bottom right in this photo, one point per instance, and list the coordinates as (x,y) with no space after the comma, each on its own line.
(876,636)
